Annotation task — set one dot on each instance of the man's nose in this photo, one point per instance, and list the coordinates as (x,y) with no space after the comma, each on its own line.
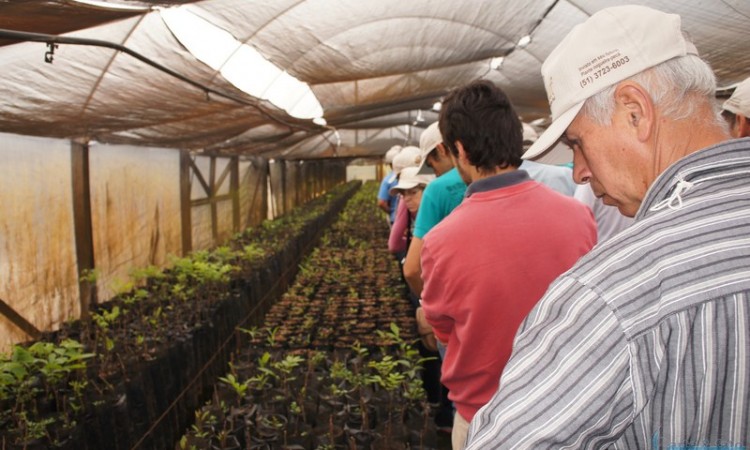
(581,173)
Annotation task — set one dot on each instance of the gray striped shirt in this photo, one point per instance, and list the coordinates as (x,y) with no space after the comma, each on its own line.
(645,342)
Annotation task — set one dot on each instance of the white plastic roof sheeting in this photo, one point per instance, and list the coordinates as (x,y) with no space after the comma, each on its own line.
(376,67)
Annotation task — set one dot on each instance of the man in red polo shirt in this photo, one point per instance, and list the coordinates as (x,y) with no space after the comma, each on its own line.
(485,265)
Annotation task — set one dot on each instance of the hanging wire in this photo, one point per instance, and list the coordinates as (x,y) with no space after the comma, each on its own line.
(52,41)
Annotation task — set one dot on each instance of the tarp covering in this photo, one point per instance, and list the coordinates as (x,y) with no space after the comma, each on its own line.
(371,64)
(37,260)
(136,221)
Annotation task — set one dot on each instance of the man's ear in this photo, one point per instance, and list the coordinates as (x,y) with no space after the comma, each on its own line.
(461,151)
(743,126)
(442,150)
(632,101)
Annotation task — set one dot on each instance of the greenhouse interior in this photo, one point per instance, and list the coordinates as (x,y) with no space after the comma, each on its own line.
(193,253)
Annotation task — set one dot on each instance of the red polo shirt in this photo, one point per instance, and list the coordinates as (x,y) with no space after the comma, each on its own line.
(486,265)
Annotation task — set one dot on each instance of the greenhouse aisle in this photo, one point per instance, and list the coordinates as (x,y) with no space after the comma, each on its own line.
(334,364)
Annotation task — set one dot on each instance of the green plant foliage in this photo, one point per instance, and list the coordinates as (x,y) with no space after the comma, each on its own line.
(132,326)
(37,370)
(253,252)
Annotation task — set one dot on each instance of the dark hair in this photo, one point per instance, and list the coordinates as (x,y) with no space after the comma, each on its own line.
(483,119)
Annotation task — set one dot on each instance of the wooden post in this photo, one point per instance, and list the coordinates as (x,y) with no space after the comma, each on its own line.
(234,188)
(84,236)
(264,190)
(212,190)
(285,202)
(185,190)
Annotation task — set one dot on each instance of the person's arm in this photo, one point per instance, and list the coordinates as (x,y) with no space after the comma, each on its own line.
(382,204)
(427,217)
(413,266)
(425,331)
(437,294)
(568,382)
(397,238)
(384,196)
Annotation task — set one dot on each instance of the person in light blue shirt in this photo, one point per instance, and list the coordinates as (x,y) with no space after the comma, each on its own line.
(386,201)
(557,177)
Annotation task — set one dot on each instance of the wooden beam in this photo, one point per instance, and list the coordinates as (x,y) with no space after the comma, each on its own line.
(185,191)
(234,189)
(210,200)
(227,170)
(84,236)
(199,176)
(18,320)
(211,196)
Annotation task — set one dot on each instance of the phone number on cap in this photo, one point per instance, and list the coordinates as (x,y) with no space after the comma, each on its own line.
(604,70)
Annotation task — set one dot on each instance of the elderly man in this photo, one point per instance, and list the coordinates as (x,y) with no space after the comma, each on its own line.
(645,342)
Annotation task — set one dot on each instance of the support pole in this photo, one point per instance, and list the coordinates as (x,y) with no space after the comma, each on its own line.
(84,236)
(234,188)
(187,226)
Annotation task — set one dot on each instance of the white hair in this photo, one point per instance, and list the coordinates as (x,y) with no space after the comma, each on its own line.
(676,86)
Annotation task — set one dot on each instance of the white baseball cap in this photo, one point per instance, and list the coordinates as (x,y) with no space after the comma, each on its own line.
(429,139)
(391,153)
(739,102)
(409,156)
(610,46)
(410,178)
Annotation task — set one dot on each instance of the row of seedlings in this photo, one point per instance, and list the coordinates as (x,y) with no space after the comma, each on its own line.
(334,365)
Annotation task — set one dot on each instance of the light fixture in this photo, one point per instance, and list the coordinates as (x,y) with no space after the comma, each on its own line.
(496,63)
(241,64)
(419,118)
(524,41)
(112,6)
(437,105)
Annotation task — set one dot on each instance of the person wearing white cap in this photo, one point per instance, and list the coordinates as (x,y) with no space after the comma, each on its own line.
(736,110)
(408,158)
(439,199)
(410,186)
(645,342)
(487,263)
(406,165)
(386,201)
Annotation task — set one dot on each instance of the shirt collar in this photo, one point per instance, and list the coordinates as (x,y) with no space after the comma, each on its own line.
(497,182)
